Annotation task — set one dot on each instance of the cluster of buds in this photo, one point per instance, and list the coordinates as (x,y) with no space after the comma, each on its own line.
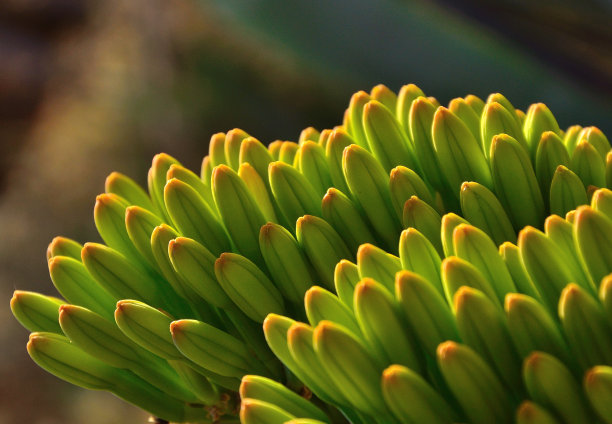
(495,305)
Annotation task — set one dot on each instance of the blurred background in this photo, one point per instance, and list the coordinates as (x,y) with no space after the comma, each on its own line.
(90,87)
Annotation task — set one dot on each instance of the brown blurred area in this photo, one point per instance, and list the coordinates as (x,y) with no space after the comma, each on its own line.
(90,87)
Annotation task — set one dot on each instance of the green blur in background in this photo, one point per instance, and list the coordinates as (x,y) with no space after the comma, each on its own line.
(91,87)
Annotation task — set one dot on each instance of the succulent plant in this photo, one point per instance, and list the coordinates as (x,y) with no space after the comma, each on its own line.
(496,303)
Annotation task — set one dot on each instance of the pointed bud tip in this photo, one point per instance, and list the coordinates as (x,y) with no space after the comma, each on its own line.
(366,249)
(104,199)
(275,167)
(330,194)
(131,212)
(463,230)
(534,360)
(323,329)
(122,306)
(360,97)
(468,185)
(222,259)
(592,377)
(305,220)
(569,293)
(420,101)
(112,177)
(585,212)
(220,171)
(56,241)
(527,411)
(512,301)
(174,183)
(392,375)
(463,296)
(295,330)
(247,381)
(172,245)
(35,341)
(88,249)
(552,220)
(351,150)
(403,278)
(449,263)
(52,263)
(380,87)
(527,233)
(266,230)
(365,286)
(161,159)
(446,350)
(312,293)
(271,320)
(19,293)
(65,310)
(176,327)
(412,202)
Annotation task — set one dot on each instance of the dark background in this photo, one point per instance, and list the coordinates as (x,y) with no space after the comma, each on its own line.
(90,87)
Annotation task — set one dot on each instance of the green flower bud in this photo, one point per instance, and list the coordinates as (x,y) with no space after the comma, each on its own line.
(480,206)
(323,246)
(293,193)
(313,165)
(551,384)
(593,236)
(406,97)
(239,212)
(248,286)
(157,182)
(355,115)
(515,181)
(412,399)
(496,120)
(386,138)
(550,154)
(377,264)
(267,390)
(482,326)
(426,310)
(588,165)
(384,95)
(476,103)
(193,217)
(76,285)
(585,326)
(418,255)
(346,277)
(383,330)
(479,392)
(459,153)
(539,119)
(598,388)
(337,142)
(419,215)
(533,328)
(254,411)
(128,189)
(62,246)
(36,312)
(368,184)
(344,215)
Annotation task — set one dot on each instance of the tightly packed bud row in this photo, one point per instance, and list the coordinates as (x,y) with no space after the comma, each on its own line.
(167,313)
(470,336)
